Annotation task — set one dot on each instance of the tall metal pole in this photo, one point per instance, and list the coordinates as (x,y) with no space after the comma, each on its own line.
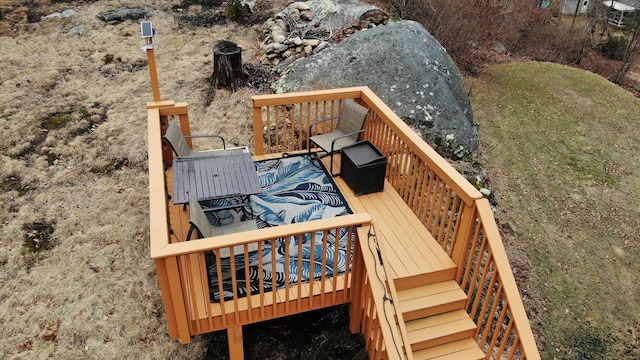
(152,70)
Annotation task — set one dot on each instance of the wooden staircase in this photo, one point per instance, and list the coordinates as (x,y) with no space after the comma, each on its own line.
(437,324)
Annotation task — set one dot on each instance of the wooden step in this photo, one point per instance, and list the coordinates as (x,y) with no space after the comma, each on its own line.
(446,273)
(431,300)
(439,329)
(465,349)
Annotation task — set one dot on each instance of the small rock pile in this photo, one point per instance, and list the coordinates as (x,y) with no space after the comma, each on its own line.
(296,32)
(293,32)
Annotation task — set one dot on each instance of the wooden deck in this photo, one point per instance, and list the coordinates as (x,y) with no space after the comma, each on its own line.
(426,252)
(416,259)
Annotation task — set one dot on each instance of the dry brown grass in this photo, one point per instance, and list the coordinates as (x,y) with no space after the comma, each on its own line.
(73,181)
(73,175)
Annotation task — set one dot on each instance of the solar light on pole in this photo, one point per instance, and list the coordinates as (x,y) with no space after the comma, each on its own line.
(147,31)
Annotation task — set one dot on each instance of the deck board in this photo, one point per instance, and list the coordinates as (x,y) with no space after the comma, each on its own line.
(411,248)
(393,208)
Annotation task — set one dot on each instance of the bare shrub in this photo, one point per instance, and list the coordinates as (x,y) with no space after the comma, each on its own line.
(598,63)
(468,28)
(545,38)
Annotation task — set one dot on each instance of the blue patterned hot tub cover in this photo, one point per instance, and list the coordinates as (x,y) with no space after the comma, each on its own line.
(296,189)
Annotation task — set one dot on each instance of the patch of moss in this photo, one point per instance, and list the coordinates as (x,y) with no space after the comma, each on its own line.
(37,239)
(82,116)
(110,166)
(108,59)
(473,160)
(13,183)
(476,182)
(38,236)
(56,120)
(588,343)
(237,11)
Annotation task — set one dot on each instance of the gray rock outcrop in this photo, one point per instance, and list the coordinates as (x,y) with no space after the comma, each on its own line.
(337,14)
(119,15)
(409,70)
(304,28)
(60,15)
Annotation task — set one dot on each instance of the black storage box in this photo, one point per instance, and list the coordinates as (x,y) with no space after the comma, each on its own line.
(363,167)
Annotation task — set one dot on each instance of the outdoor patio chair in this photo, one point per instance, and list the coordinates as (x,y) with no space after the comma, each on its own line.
(178,142)
(202,227)
(347,131)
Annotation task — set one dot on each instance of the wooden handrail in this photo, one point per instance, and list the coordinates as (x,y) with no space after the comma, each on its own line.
(307,96)
(234,307)
(417,146)
(393,294)
(381,333)
(246,237)
(159,229)
(501,297)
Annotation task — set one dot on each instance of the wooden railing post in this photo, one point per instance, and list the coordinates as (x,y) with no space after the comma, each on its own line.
(166,267)
(357,281)
(165,290)
(173,299)
(155,115)
(466,225)
(236,347)
(257,130)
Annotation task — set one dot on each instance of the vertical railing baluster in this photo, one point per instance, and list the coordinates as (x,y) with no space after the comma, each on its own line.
(287,275)
(299,238)
(221,287)
(247,282)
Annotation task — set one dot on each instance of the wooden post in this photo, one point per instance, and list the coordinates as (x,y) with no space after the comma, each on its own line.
(152,70)
(466,224)
(234,337)
(357,282)
(227,66)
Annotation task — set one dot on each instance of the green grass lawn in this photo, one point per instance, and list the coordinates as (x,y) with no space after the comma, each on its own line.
(561,147)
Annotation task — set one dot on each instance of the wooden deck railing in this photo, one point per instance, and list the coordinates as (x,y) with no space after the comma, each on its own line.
(182,266)
(494,302)
(449,207)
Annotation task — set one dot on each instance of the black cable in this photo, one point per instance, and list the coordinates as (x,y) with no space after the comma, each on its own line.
(173,232)
(384,296)
(370,234)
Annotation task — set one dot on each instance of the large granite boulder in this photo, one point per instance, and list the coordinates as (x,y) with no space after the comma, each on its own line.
(408,69)
(336,14)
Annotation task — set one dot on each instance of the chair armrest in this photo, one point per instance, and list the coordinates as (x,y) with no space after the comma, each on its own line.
(225,207)
(241,206)
(208,136)
(320,121)
(344,136)
(192,229)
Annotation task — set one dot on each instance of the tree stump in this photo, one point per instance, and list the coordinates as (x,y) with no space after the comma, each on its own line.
(227,66)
